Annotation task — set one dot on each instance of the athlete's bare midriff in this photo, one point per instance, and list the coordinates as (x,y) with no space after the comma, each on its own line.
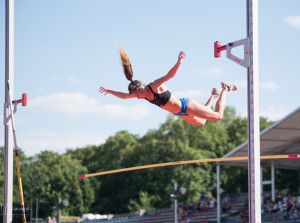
(173,105)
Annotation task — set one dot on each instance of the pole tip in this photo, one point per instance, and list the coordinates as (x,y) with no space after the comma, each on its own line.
(81,177)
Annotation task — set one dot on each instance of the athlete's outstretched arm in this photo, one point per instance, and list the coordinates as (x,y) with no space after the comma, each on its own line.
(171,73)
(115,93)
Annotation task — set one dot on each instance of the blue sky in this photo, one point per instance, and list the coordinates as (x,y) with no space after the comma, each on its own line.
(65,50)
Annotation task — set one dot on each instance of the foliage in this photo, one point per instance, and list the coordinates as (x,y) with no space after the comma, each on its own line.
(49,175)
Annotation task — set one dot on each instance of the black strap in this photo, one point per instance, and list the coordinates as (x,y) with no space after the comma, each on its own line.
(151,88)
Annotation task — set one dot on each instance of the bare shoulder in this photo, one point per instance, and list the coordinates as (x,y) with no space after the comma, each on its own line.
(158,88)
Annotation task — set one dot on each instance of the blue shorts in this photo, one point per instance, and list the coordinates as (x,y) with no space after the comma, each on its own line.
(184,103)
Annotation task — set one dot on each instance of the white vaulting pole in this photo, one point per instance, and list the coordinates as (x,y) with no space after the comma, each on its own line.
(9,75)
(253,115)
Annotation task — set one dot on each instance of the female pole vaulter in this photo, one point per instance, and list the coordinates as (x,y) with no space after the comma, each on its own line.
(157,93)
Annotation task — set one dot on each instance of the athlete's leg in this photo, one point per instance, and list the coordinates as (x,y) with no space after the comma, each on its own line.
(214,95)
(210,101)
(204,112)
(201,121)
(193,120)
(220,105)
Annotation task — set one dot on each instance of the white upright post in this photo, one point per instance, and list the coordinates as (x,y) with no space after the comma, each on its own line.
(273,180)
(8,142)
(261,186)
(175,202)
(218,194)
(253,115)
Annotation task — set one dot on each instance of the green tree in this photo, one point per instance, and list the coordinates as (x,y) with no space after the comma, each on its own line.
(234,177)
(49,176)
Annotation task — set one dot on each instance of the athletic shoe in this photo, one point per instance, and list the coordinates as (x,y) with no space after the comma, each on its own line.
(215,91)
(230,87)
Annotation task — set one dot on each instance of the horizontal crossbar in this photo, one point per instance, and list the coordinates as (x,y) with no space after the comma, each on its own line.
(292,156)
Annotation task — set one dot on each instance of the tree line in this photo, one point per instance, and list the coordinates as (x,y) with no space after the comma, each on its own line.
(49,175)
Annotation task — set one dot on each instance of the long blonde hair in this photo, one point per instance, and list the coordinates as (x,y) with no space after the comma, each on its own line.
(127,68)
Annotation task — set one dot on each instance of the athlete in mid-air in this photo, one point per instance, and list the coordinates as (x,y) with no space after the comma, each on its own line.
(157,93)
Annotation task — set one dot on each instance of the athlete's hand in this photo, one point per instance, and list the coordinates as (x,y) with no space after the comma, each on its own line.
(103,90)
(181,56)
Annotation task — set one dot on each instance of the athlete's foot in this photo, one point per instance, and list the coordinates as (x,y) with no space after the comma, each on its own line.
(230,87)
(216,92)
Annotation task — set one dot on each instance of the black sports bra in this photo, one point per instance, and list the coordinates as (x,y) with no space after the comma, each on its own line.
(160,99)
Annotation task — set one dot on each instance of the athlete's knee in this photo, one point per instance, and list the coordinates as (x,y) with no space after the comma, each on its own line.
(219,117)
(200,122)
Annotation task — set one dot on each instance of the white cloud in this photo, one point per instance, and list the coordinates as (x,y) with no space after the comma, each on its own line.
(135,112)
(213,71)
(80,104)
(75,80)
(36,141)
(293,21)
(275,113)
(270,85)
(190,94)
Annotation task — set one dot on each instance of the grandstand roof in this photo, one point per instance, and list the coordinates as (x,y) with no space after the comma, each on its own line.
(281,138)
